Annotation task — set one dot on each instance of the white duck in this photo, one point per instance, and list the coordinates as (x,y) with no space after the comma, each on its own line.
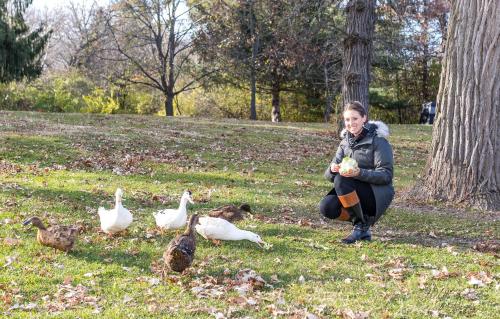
(116,219)
(174,218)
(215,229)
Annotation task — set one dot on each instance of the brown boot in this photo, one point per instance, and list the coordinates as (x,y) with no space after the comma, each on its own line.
(352,205)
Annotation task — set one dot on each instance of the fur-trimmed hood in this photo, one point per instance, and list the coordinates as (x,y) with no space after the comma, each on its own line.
(378,128)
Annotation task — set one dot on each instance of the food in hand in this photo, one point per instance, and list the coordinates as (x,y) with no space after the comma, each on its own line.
(348,165)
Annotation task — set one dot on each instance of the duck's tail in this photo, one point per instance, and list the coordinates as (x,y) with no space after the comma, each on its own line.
(155,214)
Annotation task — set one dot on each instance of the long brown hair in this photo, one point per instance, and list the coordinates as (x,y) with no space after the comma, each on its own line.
(355,106)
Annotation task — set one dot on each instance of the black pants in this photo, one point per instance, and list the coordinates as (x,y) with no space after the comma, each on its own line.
(330,205)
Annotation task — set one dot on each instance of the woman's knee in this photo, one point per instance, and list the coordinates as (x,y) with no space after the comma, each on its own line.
(329,207)
(343,185)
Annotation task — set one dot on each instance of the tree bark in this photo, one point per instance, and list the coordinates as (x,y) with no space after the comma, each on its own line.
(360,16)
(426,56)
(329,97)
(464,163)
(255,44)
(169,102)
(275,93)
(253,91)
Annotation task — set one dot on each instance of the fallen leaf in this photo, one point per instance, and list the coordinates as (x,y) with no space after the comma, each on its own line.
(469,294)
(153,281)
(488,246)
(11,241)
(476,282)
(10,260)
(127,299)
(349,314)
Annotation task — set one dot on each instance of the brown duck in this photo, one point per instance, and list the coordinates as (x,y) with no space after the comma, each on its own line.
(56,236)
(230,213)
(179,254)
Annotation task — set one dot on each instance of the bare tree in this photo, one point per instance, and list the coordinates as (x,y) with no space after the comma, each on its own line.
(464,163)
(74,35)
(153,38)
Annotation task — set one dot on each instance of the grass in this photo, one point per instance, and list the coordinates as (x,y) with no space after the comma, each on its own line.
(61,167)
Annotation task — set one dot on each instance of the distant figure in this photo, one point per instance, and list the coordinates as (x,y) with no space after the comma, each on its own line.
(424,115)
(428,113)
(432,112)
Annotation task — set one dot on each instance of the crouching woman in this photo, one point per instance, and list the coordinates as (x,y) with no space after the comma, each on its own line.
(360,195)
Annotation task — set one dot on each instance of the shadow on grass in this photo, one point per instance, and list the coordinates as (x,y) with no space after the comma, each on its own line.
(95,254)
(427,241)
(34,149)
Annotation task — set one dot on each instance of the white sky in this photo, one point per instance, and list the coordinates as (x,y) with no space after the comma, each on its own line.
(54,4)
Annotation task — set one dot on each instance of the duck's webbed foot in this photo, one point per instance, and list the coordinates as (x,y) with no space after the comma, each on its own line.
(216,242)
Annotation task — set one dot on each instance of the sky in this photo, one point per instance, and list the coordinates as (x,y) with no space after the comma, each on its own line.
(54,4)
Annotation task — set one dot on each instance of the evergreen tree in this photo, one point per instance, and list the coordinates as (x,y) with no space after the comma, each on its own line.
(20,48)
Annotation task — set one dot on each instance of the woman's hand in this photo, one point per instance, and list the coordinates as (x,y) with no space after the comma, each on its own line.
(351,173)
(334,168)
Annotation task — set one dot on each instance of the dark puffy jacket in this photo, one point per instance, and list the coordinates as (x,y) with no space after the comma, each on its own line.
(375,160)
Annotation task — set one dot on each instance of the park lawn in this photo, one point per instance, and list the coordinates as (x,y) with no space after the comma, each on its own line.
(61,167)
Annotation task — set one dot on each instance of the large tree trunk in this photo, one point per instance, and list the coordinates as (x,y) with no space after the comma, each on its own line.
(253,90)
(329,96)
(360,15)
(425,74)
(275,93)
(255,46)
(443,28)
(426,56)
(169,103)
(464,163)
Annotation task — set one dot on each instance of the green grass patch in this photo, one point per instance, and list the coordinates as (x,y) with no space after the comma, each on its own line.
(62,167)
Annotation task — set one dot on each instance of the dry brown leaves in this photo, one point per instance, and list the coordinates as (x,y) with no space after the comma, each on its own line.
(443,273)
(11,241)
(349,314)
(10,294)
(245,282)
(397,268)
(286,218)
(122,159)
(70,297)
(488,246)
(479,279)
(7,168)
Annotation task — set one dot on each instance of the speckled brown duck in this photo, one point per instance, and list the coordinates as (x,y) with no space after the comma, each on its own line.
(179,254)
(231,213)
(56,236)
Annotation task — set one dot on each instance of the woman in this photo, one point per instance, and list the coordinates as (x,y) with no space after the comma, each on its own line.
(363,194)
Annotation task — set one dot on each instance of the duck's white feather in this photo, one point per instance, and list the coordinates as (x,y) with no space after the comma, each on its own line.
(116,219)
(221,229)
(174,218)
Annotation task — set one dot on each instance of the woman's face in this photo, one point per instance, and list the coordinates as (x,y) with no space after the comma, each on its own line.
(354,122)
